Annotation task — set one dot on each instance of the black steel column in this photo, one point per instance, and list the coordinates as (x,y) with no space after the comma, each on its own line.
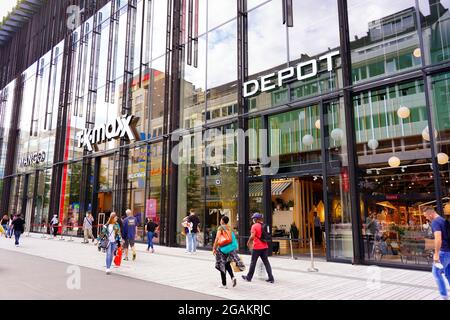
(60,140)
(431,129)
(164,225)
(243,160)
(24,199)
(267,181)
(12,144)
(358,253)
(325,160)
(95,186)
(174,119)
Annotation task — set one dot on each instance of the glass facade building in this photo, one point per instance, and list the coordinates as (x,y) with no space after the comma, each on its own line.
(332,118)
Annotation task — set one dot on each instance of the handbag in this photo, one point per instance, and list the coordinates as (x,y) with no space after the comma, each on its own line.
(224,238)
(230,247)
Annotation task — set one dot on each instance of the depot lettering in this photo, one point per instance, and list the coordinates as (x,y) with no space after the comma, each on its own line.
(34,158)
(119,128)
(266,83)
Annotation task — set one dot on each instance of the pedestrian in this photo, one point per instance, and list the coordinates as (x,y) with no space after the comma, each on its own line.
(227,253)
(10,228)
(317,229)
(260,249)
(87,228)
(441,257)
(111,230)
(18,226)
(151,228)
(5,223)
(185,231)
(194,229)
(54,222)
(129,233)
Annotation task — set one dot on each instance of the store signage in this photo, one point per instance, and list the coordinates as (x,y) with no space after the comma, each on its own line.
(266,83)
(150,210)
(136,175)
(118,128)
(31,159)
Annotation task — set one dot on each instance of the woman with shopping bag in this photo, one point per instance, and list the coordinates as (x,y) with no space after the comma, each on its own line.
(225,249)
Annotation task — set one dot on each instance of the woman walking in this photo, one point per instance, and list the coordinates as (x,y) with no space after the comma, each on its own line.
(151,228)
(227,253)
(5,223)
(111,231)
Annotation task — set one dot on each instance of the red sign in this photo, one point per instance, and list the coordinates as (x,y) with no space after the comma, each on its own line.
(150,210)
(345,180)
(392,197)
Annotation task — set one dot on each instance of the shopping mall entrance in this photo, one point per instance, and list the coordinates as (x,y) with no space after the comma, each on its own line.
(298,215)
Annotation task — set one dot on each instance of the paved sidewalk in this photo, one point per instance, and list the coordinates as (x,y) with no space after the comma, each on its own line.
(173,267)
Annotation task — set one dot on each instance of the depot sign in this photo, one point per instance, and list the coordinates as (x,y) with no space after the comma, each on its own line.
(266,83)
(119,128)
(31,159)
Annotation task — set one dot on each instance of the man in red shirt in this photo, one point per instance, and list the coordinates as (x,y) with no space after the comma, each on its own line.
(260,249)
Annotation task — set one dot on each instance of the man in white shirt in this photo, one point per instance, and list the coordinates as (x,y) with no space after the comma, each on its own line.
(87,228)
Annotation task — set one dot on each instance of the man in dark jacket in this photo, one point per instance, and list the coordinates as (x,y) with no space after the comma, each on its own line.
(19,227)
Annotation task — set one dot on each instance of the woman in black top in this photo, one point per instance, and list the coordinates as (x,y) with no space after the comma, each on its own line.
(151,228)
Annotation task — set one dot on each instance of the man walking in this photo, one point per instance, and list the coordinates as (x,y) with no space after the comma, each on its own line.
(129,233)
(260,249)
(441,257)
(87,227)
(18,226)
(194,229)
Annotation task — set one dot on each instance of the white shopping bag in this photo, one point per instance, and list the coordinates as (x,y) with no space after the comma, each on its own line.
(261,270)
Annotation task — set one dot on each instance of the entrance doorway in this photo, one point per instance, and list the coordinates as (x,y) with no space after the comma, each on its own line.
(298,215)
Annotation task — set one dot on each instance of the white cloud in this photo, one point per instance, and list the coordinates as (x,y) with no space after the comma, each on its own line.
(6,6)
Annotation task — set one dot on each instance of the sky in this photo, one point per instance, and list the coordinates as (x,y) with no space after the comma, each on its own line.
(5,6)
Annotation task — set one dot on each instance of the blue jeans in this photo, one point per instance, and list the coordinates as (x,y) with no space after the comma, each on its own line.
(192,242)
(444,257)
(150,240)
(110,254)
(17,236)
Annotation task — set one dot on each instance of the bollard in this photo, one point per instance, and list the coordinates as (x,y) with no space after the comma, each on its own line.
(292,251)
(312,268)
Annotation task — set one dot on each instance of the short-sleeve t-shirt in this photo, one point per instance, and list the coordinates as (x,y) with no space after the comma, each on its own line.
(129,228)
(195,222)
(151,227)
(439,224)
(257,243)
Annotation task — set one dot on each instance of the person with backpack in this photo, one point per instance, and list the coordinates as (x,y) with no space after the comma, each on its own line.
(87,228)
(110,238)
(55,223)
(129,233)
(18,226)
(225,250)
(441,257)
(259,240)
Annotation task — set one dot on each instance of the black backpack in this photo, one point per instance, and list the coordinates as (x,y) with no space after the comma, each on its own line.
(265,234)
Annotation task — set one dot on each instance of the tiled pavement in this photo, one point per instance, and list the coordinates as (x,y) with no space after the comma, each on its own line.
(173,267)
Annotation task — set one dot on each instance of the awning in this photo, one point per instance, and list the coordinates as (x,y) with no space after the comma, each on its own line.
(387,204)
(279,187)
(256,189)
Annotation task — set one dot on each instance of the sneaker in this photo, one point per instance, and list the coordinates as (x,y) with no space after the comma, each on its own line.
(153,250)
(125,259)
(246,279)
(270,280)
(234,282)
(134,256)
(17,245)
(222,286)
(108,271)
